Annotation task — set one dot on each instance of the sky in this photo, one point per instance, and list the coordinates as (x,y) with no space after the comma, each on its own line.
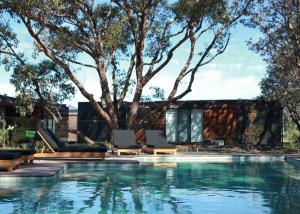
(233,75)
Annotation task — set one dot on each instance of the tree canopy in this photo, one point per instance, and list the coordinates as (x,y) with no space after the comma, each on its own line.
(279,22)
(144,33)
(42,84)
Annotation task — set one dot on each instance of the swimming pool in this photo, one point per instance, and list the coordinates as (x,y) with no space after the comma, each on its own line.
(237,187)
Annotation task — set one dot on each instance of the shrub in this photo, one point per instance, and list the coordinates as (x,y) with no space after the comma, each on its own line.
(5,135)
(253,131)
(292,137)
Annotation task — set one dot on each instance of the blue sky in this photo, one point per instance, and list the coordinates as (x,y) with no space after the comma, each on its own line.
(234,74)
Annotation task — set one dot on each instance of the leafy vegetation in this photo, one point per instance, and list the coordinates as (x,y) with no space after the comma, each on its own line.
(279,23)
(253,131)
(99,36)
(292,137)
(5,136)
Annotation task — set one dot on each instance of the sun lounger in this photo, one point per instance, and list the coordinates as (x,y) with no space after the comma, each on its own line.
(157,143)
(27,154)
(59,150)
(10,160)
(124,142)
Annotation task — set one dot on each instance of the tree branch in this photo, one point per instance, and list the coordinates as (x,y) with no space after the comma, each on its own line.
(65,67)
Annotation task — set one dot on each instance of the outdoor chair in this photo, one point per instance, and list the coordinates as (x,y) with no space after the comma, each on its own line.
(124,142)
(60,150)
(10,160)
(27,154)
(156,143)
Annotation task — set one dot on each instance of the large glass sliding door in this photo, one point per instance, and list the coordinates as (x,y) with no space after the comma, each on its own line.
(197,125)
(171,125)
(184,125)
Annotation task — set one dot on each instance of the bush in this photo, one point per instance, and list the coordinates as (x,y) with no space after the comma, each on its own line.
(5,136)
(292,137)
(252,132)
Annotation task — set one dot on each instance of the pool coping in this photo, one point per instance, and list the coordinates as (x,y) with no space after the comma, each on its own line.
(59,166)
(211,158)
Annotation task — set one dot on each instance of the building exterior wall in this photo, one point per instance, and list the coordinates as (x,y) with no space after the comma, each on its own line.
(220,123)
(223,119)
(59,129)
(10,116)
(72,125)
(91,125)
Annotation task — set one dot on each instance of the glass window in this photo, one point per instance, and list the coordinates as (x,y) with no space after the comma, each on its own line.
(184,125)
(171,125)
(197,125)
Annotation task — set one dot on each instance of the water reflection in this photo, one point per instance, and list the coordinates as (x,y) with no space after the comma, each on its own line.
(186,188)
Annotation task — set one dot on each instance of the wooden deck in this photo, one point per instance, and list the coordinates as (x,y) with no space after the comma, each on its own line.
(100,155)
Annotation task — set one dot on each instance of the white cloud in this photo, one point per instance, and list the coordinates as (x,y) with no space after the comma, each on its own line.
(8,89)
(254,68)
(214,84)
(208,85)
(225,66)
(209,75)
(92,86)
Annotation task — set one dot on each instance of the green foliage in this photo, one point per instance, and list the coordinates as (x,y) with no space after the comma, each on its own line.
(4,136)
(44,82)
(101,36)
(191,11)
(253,132)
(292,134)
(157,94)
(279,45)
(13,131)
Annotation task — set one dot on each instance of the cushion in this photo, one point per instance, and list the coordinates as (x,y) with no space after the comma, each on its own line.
(81,149)
(9,155)
(21,151)
(156,139)
(128,147)
(124,139)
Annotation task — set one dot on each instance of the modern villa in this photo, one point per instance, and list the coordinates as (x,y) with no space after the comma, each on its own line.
(185,122)
(222,122)
(73,178)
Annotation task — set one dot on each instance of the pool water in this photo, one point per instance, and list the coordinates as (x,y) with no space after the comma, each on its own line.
(239,187)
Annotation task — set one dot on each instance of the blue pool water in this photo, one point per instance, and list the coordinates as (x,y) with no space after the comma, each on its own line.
(185,188)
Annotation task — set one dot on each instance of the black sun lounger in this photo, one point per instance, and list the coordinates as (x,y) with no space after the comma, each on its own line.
(59,150)
(157,143)
(10,160)
(124,142)
(27,154)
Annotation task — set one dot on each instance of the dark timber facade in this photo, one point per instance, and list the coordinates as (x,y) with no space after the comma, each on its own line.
(186,122)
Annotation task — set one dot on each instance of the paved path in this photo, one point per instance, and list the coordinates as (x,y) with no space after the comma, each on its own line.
(49,168)
(38,169)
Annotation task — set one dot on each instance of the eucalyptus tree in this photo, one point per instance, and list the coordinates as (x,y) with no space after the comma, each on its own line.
(279,45)
(145,33)
(42,84)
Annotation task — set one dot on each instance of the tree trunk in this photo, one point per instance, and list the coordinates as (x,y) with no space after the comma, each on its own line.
(295,118)
(115,126)
(135,105)
(85,138)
